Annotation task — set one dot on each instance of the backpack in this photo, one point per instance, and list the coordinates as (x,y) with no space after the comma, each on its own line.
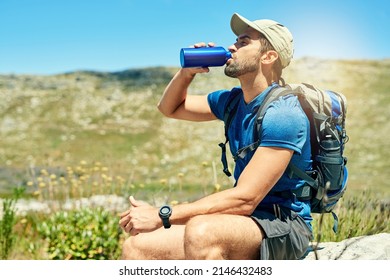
(326,111)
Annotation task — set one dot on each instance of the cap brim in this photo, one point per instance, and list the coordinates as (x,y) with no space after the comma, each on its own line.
(239,24)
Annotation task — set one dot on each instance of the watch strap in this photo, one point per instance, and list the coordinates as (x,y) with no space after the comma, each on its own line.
(166,222)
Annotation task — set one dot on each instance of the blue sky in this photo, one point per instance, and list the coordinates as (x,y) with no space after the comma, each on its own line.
(55,36)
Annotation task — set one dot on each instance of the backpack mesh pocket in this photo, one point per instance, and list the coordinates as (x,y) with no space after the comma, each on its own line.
(331,163)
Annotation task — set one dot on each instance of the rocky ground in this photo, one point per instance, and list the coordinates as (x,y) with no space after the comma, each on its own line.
(373,247)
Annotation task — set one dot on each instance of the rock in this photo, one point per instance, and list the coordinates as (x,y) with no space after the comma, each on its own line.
(372,247)
(112,203)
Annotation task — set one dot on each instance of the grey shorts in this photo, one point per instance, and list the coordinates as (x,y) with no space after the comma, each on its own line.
(287,236)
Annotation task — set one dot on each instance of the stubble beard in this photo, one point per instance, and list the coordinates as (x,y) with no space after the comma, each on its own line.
(235,69)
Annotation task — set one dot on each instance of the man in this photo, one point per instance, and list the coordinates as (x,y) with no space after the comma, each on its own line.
(251,220)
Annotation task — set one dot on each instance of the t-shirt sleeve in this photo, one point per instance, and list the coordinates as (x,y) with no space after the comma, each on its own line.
(285,125)
(217,102)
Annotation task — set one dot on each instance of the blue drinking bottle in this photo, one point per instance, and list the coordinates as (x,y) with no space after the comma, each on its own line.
(204,57)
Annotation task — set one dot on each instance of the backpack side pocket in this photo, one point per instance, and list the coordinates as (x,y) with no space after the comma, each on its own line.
(331,163)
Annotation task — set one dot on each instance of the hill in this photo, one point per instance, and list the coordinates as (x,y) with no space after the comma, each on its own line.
(52,122)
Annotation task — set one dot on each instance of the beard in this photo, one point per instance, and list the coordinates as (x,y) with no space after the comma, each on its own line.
(236,69)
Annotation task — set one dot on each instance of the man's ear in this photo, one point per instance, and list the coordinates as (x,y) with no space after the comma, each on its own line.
(269,57)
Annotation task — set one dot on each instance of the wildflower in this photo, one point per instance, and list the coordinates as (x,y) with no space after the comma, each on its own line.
(205,163)
(42,185)
(174,202)
(83,162)
(30,184)
(53,176)
(69,171)
(180,175)
(80,170)
(163,182)
(44,172)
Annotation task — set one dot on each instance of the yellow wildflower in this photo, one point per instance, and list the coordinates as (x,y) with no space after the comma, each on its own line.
(163,182)
(44,172)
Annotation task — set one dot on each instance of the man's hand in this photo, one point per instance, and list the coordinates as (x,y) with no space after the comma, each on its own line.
(141,217)
(192,71)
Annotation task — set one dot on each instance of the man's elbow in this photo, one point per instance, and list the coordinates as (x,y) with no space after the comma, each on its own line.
(248,208)
(248,202)
(164,110)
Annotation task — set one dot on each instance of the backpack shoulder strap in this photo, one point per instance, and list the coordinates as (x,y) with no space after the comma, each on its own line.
(231,107)
(271,96)
(230,112)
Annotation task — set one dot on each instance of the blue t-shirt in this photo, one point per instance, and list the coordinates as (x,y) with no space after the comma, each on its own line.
(284,125)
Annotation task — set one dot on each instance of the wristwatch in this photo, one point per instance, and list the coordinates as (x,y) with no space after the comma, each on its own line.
(164,213)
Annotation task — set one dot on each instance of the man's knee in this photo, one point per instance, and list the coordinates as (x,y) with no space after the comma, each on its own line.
(200,239)
(130,250)
(197,229)
(126,249)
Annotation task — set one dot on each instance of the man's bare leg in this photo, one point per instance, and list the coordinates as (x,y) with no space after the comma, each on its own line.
(162,244)
(204,237)
(222,237)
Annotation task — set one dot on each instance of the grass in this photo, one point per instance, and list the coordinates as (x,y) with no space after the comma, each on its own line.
(7,223)
(358,214)
(61,120)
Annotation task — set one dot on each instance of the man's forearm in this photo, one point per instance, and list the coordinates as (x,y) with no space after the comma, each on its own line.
(231,201)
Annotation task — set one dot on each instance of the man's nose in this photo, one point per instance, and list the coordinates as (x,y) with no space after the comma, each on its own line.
(232,48)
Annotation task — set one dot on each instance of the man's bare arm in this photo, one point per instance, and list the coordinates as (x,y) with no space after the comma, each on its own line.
(175,103)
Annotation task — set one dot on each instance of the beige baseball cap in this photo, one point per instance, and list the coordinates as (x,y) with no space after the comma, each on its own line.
(277,34)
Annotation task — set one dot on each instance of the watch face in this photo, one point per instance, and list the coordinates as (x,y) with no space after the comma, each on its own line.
(165,210)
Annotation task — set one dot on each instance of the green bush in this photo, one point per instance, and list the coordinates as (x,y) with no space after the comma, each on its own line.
(82,234)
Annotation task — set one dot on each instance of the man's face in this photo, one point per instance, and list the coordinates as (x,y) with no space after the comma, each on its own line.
(245,54)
